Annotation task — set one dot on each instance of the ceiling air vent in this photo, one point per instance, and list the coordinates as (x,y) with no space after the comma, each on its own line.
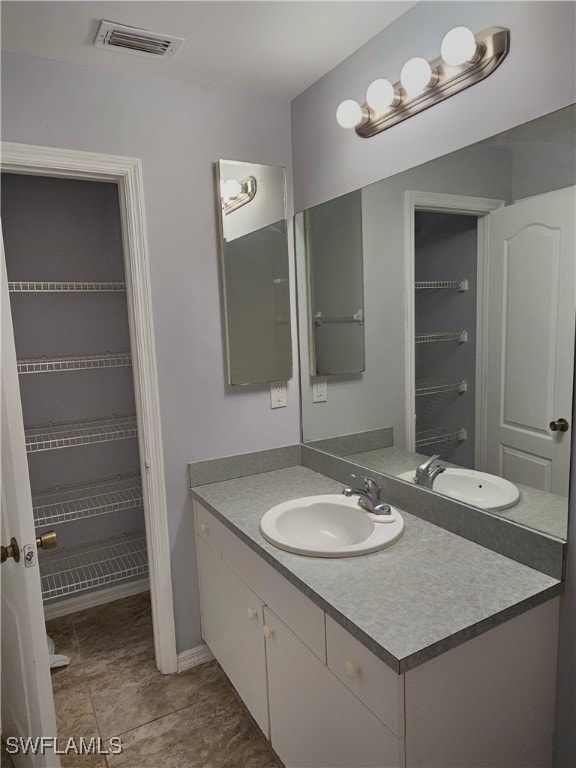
(119,37)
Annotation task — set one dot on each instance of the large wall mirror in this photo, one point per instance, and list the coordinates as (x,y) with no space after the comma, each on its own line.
(469,294)
(251,200)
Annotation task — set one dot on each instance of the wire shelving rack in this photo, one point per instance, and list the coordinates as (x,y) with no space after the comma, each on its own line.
(74,362)
(461,285)
(77,502)
(429,437)
(47,437)
(430,338)
(440,387)
(72,570)
(56,286)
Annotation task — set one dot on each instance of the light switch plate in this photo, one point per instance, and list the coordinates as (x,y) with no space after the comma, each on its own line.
(278,394)
(320,390)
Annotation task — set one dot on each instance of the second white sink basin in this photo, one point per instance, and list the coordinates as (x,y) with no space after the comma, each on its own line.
(332,525)
(472,487)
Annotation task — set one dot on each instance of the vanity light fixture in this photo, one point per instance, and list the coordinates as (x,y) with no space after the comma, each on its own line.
(465,59)
(381,94)
(416,76)
(235,194)
(349,114)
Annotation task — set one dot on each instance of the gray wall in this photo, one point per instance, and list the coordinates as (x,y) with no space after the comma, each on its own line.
(179,132)
(538,77)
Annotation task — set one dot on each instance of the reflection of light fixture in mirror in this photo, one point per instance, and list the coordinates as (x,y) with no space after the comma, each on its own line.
(236,193)
(466,59)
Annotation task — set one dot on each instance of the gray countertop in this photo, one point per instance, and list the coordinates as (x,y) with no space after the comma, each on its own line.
(427,593)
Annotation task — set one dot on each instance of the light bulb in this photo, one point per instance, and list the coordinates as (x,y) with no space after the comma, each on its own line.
(458,46)
(231,189)
(349,114)
(415,76)
(380,95)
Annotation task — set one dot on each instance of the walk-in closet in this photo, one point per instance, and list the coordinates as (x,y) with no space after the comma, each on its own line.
(445,303)
(65,266)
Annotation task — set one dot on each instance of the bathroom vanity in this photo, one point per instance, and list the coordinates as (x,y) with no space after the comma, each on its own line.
(433,652)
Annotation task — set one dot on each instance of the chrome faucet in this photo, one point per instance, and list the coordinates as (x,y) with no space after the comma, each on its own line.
(369,497)
(428,471)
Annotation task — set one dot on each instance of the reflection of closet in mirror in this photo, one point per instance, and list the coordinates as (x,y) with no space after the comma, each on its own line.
(445,309)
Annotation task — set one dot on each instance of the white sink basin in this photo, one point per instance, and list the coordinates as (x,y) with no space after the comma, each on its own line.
(477,488)
(329,526)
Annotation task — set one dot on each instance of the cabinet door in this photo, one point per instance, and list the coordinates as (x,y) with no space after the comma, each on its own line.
(232,628)
(315,721)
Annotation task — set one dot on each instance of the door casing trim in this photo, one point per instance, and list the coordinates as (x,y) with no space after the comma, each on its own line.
(127,173)
(443,203)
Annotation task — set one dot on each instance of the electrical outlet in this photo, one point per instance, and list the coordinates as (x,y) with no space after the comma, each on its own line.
(278,394)
(320,390)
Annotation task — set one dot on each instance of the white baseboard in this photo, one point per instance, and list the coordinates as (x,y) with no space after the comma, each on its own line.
(98,597)
(194,656)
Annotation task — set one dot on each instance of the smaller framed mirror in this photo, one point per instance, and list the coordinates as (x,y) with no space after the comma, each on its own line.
(333,233)
(255,271)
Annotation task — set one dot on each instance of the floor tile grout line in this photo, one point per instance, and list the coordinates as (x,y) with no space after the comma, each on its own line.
(78,632)
(160,717)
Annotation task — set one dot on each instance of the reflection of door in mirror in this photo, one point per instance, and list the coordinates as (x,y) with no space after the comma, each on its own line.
(531,304)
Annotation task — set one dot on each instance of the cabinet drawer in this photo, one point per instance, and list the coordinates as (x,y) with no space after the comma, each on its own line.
(303,616)
(367,676)
(208,528)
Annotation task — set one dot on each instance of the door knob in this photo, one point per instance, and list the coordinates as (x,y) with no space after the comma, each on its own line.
(47,540)
(12,550)
(559,425)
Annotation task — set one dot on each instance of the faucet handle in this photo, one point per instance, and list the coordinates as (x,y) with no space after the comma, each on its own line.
(427,463)
(369,483)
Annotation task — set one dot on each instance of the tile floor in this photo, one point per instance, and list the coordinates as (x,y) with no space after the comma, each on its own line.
(112,688)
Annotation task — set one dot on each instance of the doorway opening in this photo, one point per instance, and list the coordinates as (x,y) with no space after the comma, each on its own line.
(77,274)
(447,316)
(445,273)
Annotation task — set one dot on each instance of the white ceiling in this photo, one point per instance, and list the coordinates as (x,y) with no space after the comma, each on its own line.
(264,47)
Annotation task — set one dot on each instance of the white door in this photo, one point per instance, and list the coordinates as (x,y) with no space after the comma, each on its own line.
(27,703)
(530,360)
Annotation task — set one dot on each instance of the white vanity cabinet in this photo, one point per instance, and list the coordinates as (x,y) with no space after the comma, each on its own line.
(232,620)
(315,721)
(326,701)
